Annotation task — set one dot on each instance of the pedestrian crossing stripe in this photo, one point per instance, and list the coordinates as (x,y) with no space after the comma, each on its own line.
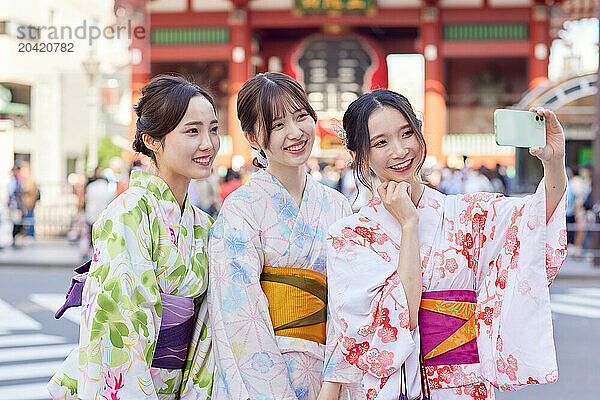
(30,340)
(30,391)
(13,319)
(30,370)
(37,356)
(583,300)
(52,302)
(591,292)
(36,352)
(580,302)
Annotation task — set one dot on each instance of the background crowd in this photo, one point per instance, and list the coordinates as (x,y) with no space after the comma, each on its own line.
(93,193)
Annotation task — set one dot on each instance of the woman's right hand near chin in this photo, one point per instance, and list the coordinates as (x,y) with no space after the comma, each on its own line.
(396,199)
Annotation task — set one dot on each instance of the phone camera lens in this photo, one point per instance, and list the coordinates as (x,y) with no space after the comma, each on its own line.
(542,118)
(537,118)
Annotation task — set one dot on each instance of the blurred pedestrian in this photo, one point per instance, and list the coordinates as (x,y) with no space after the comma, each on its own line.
(451,181)
(99,192)
(78,224)
(475,182)
(114,171)
(230,183)
(31,195)
(355,191)
(570,213)
(313,168)
(136,165)
(330,176)
(582,187)
(582,240)
(16,206)
(503,181)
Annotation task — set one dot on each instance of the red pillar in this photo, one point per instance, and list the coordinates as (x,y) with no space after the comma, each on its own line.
(239,57)
(539,38)
(434,115)
(140,61)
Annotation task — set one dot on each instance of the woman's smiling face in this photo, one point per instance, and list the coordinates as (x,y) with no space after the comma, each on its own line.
(292,138)
(190,149)
(395,151)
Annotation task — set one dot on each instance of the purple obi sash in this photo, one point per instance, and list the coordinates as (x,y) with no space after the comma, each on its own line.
(176,327)
(447,327)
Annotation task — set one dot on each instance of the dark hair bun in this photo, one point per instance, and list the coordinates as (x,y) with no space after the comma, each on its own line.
(139,146)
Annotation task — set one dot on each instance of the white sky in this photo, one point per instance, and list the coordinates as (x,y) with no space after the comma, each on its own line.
(582,35)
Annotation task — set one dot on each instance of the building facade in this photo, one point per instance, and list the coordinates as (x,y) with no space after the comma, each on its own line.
(478,55)
(61,100)
(64,90)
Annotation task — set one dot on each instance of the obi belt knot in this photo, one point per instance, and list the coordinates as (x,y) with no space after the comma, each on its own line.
(297,302)
(447,326)
(176,327)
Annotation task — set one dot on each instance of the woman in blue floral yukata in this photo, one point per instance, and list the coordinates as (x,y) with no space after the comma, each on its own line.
(267,256)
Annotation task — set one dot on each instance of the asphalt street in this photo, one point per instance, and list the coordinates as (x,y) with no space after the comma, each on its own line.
(33,344)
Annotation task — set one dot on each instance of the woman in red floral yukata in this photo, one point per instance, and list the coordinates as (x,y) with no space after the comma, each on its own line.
(470,271)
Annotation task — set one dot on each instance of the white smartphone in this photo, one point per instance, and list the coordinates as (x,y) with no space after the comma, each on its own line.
(519,128)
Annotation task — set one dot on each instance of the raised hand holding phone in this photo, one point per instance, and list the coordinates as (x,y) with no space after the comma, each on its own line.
(539,130)
(552,156)
(555,137)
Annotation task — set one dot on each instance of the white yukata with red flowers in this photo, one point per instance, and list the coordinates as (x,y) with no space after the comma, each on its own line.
(500,246)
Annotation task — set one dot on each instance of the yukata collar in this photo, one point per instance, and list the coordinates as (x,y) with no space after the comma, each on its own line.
(156,186)
(430,205)
(309,188)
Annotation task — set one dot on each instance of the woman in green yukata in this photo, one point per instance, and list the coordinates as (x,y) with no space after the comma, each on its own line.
(144,331)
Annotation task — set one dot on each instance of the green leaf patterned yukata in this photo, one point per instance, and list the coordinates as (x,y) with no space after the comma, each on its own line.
(142,242)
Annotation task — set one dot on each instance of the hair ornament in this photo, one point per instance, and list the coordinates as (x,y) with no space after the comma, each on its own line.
(262,158)
(338,129)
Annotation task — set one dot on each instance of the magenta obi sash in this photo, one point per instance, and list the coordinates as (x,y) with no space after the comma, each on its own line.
(176,325)
(447,327)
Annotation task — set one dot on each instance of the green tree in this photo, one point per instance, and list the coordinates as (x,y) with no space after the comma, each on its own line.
(107,150)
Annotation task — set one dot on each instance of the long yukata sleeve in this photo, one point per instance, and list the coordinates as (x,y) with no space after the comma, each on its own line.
(335,367)
(249,362)
(120,312)
(198,373)
(519,256)
(370,310)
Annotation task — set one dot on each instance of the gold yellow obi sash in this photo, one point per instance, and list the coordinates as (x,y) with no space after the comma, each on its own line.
(297,302)
(447,325)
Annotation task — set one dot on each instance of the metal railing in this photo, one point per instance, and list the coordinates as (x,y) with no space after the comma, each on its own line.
(53,214)
(52,220)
